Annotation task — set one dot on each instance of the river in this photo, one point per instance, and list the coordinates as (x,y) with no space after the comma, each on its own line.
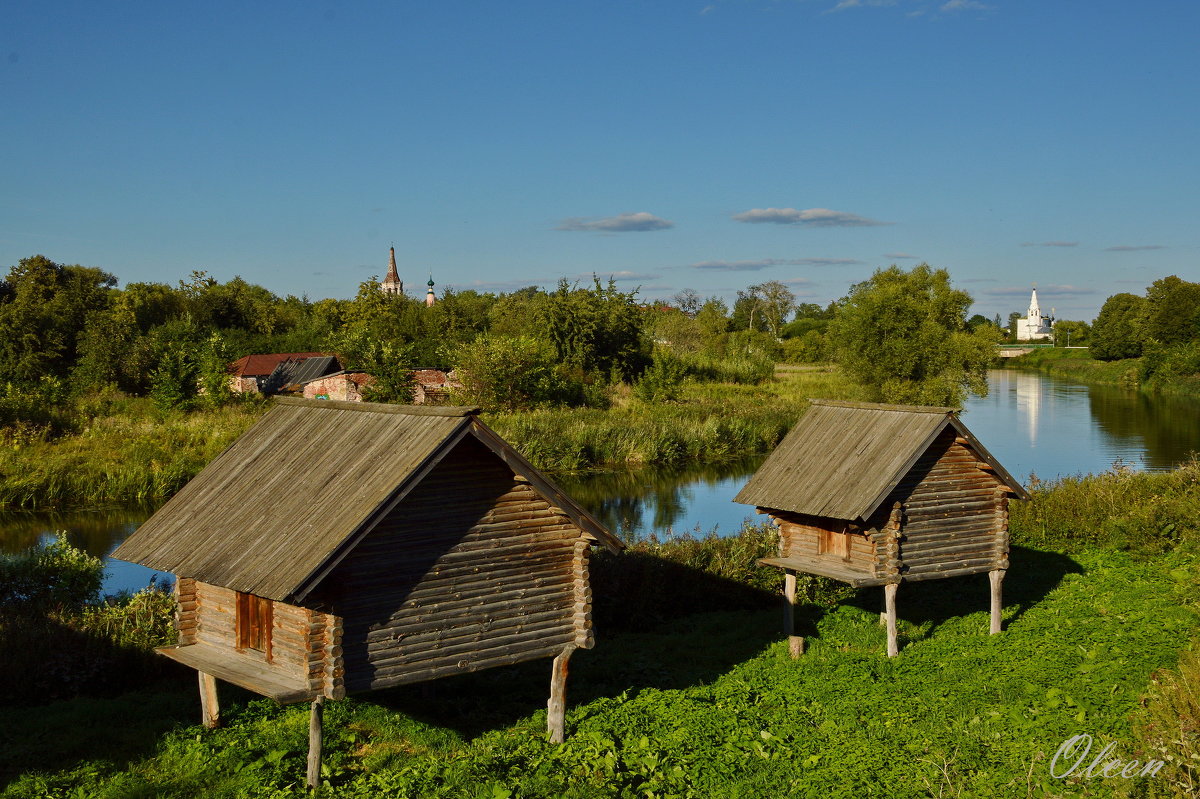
(1033,423)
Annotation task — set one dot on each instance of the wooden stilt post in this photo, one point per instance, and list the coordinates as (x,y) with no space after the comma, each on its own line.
(795,642)
(210,709)
(996,577)
(883,611)
(314,741)
(889,597)
(557,706)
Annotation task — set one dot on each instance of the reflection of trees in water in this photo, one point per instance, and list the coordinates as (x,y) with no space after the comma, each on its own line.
(620,499)
(97,533)
(1168,427)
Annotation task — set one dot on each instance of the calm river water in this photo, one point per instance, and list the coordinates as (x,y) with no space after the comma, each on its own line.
(1033,423)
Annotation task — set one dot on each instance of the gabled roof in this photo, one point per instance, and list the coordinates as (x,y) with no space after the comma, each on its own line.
(291,374)
(843,459)
(289,499)
(263,365)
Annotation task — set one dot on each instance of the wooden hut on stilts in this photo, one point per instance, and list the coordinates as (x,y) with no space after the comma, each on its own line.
(874,494)
(342,547)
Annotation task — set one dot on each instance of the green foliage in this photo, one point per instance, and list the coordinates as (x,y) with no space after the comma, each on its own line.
(1172,312)
(43,307)
(1071,334)
(173,383)
(903,336)
(1168,729)
(51,577)
(1116,333)
(663,379)
(512,374)
(1119,509)
(596,330)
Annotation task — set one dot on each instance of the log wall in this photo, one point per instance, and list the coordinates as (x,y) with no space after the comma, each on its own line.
(472,570)
(215,626)
(813,536)
(954,513)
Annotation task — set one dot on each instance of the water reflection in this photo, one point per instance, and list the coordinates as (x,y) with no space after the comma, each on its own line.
(97,533)
(637,502)
(1036,423)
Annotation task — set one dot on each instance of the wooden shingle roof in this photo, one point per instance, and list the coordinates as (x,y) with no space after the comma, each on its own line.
(290,498)
(842,459)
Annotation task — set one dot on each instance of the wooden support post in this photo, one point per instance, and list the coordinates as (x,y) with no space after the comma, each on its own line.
(210,710)
(995,577)
(556,714)
(314,741)
(883,611)
(795,642)
(889,596)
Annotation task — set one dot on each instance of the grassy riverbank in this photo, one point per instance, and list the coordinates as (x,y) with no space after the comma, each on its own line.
(678,703)
(1078,365)
(129,454)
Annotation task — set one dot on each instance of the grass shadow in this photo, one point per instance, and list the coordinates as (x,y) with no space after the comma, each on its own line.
(925,605)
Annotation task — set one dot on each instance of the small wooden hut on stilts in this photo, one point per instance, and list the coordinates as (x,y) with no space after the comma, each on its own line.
(341,547)
(883,494)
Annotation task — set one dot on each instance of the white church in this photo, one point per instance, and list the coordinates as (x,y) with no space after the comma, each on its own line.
(1033,326)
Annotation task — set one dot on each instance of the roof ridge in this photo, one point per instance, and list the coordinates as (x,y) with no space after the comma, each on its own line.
(881,406)
(380,407)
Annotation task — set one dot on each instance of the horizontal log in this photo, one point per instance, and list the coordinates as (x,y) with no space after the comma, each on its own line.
(456,664)
(494,603)
(958,572)
(940,498)
(950,557)
(433,591)
(380,658)
(950,565)
(424,545)
(949,509)
(377,682)
(932,546)
(416,632)
(947,528)
(469,569)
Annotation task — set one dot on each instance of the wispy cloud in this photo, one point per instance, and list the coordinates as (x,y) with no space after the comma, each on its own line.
(809,217)
(843,5)
(639,222)
(1050,290)
(1049,244)
(621,276)
(1134,247)
(763,263)
(963,5)
(707,10)
(900,256)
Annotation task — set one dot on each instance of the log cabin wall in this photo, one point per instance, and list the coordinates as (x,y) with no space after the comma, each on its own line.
(472,570)
(813,536)
(185,610)
(955,513)
(216,625)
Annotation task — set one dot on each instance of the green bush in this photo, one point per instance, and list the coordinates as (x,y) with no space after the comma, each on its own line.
(663,379)
(53,576)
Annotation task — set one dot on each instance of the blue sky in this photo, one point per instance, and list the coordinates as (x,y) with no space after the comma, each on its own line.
(708,144)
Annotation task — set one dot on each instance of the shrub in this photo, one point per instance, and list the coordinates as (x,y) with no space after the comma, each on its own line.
(662,381)
(52,576)
(1169,728)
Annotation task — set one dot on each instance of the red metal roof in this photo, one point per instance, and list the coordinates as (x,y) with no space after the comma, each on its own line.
(263,365)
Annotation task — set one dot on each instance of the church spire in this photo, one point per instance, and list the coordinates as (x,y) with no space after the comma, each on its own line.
(429,298)
(392,284)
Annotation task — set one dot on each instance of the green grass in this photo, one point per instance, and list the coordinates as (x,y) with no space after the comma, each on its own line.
(1079,365)
(129,454)
(709,705)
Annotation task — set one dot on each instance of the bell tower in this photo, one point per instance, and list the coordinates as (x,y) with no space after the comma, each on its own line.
(392,284)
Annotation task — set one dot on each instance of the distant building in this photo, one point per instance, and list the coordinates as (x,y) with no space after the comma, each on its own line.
(1033,326)
(392,284)
(279,371)
(344,386)
(429,298)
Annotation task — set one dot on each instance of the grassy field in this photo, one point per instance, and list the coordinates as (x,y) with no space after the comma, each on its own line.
(1078,364)
(1099,601)
(128,454)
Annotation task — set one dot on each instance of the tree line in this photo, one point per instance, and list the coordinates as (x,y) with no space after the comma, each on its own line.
(1162,328)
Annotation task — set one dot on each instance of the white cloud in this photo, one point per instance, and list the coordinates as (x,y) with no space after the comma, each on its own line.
(622,223)
(809,217)
(1049,244)
(963,5)
(1134,247)
(847,4)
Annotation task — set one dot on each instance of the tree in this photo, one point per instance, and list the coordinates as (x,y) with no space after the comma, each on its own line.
(687,301)
(1172,312)
(1068,333)
(1116,332)
(598,329)
(776,303)
(903,336)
